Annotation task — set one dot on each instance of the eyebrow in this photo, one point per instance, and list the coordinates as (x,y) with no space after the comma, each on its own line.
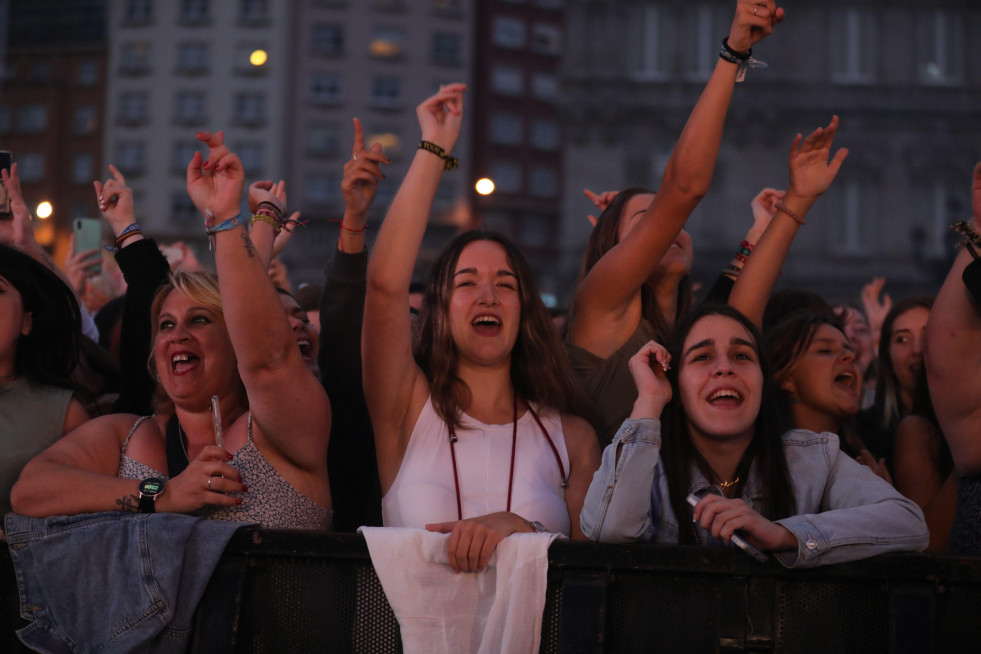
(473,271)
(708,341)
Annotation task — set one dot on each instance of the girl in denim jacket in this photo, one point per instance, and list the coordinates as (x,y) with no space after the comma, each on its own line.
(792,493)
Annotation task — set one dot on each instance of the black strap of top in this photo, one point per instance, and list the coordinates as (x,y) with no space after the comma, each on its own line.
(176,459)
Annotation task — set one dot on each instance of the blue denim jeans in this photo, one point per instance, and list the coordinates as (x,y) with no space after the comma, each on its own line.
(113,582)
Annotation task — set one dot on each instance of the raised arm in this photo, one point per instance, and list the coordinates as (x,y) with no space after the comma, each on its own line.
(393,382)
(607,292)
(288,404)
(811,173)
(953,354)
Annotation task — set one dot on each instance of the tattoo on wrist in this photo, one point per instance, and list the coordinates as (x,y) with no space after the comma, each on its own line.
(249,247)
(129,504)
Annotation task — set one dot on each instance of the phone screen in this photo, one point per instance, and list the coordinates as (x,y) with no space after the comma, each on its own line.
(88,236)
(5,160)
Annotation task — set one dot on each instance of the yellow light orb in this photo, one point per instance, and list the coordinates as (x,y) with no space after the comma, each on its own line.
(44,210)
(484,186)
(258,57)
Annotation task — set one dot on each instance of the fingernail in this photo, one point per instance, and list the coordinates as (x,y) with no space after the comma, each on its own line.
(228,456)
(238,501)
(244,488)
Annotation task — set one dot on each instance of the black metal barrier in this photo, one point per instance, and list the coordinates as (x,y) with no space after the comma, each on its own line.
(281,592)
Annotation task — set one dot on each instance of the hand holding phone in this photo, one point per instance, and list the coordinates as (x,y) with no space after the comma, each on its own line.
(737,538)
(88,236)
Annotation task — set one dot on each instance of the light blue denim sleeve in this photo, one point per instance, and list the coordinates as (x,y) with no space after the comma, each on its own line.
(618,504)
(844,511)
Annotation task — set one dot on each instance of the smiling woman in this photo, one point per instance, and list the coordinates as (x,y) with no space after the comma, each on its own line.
(475,430)
(720,437)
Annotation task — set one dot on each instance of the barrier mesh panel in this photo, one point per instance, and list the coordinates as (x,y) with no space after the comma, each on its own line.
(833,617)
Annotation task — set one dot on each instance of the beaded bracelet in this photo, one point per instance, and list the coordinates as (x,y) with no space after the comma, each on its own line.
(450,162)
(800,219)
(279,212)
(971,237)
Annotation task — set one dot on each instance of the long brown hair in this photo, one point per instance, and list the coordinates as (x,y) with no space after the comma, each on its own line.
(540,369)
(603,238)
(888,407)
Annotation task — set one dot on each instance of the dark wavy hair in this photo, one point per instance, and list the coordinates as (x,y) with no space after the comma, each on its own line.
(888,407)
(766,449)
(49,353)
(540,369)
(603,238)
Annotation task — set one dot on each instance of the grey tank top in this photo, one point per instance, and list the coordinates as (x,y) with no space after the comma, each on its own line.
(271,500)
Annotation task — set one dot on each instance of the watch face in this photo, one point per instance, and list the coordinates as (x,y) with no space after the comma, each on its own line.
(151,486)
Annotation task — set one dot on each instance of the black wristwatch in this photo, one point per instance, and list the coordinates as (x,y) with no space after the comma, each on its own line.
(150,489)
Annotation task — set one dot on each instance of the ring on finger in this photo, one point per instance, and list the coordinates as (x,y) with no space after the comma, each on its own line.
(756,10)
(209,483)
(355,156)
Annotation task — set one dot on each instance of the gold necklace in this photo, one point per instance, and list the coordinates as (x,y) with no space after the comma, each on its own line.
(726,485)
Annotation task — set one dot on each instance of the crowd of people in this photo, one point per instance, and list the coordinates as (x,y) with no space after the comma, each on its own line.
(768,420)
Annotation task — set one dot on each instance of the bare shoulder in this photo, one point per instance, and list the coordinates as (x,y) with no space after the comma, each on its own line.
(580,437)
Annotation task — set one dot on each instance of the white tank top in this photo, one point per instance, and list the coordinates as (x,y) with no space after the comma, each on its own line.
(423,491)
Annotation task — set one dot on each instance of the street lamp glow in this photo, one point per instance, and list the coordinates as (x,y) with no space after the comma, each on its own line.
(44,210)
(484,186)
(258,57)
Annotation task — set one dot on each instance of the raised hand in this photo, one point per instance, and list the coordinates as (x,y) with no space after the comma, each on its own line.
(601,202)
(441,114)
(115,200)
(764,205)
(472,541)
(754,21)
(267,191)
(811,173)
(876,310)
(362,173)
(216,184)
(723,517)
(77,266)
(16,232)
(649,369)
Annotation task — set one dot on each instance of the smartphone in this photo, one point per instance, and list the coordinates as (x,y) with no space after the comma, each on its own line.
(88,236)
(5,160)
(737,538)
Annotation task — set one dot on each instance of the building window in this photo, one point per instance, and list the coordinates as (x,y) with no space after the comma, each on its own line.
(941,204)
(132,107)
(940,42)
(327,39)
(189,107)
(546,39)
(853,203)
(253,11)
(250,108)
(508,32)
(853,46)
(706,23)
(322,189)
(83,168)
(386,92)
(86,119)
(447,49)
(182,209)
(192,57)
(389,140)
(506,176)
(30,167)
(323,141)
(650,44)
(544,182)
(508,80)
(387,43)
(6,120)
(545,134)
(251,155)
(506,129)
(193,12)
(138,12)
(390,5)
(544,86)
(32,118)
(87,72)
(182,153)
(448,6)
(325,88)
(134,58)
(130,158)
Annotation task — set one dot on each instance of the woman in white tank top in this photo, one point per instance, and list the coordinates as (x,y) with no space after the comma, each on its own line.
(474,430)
